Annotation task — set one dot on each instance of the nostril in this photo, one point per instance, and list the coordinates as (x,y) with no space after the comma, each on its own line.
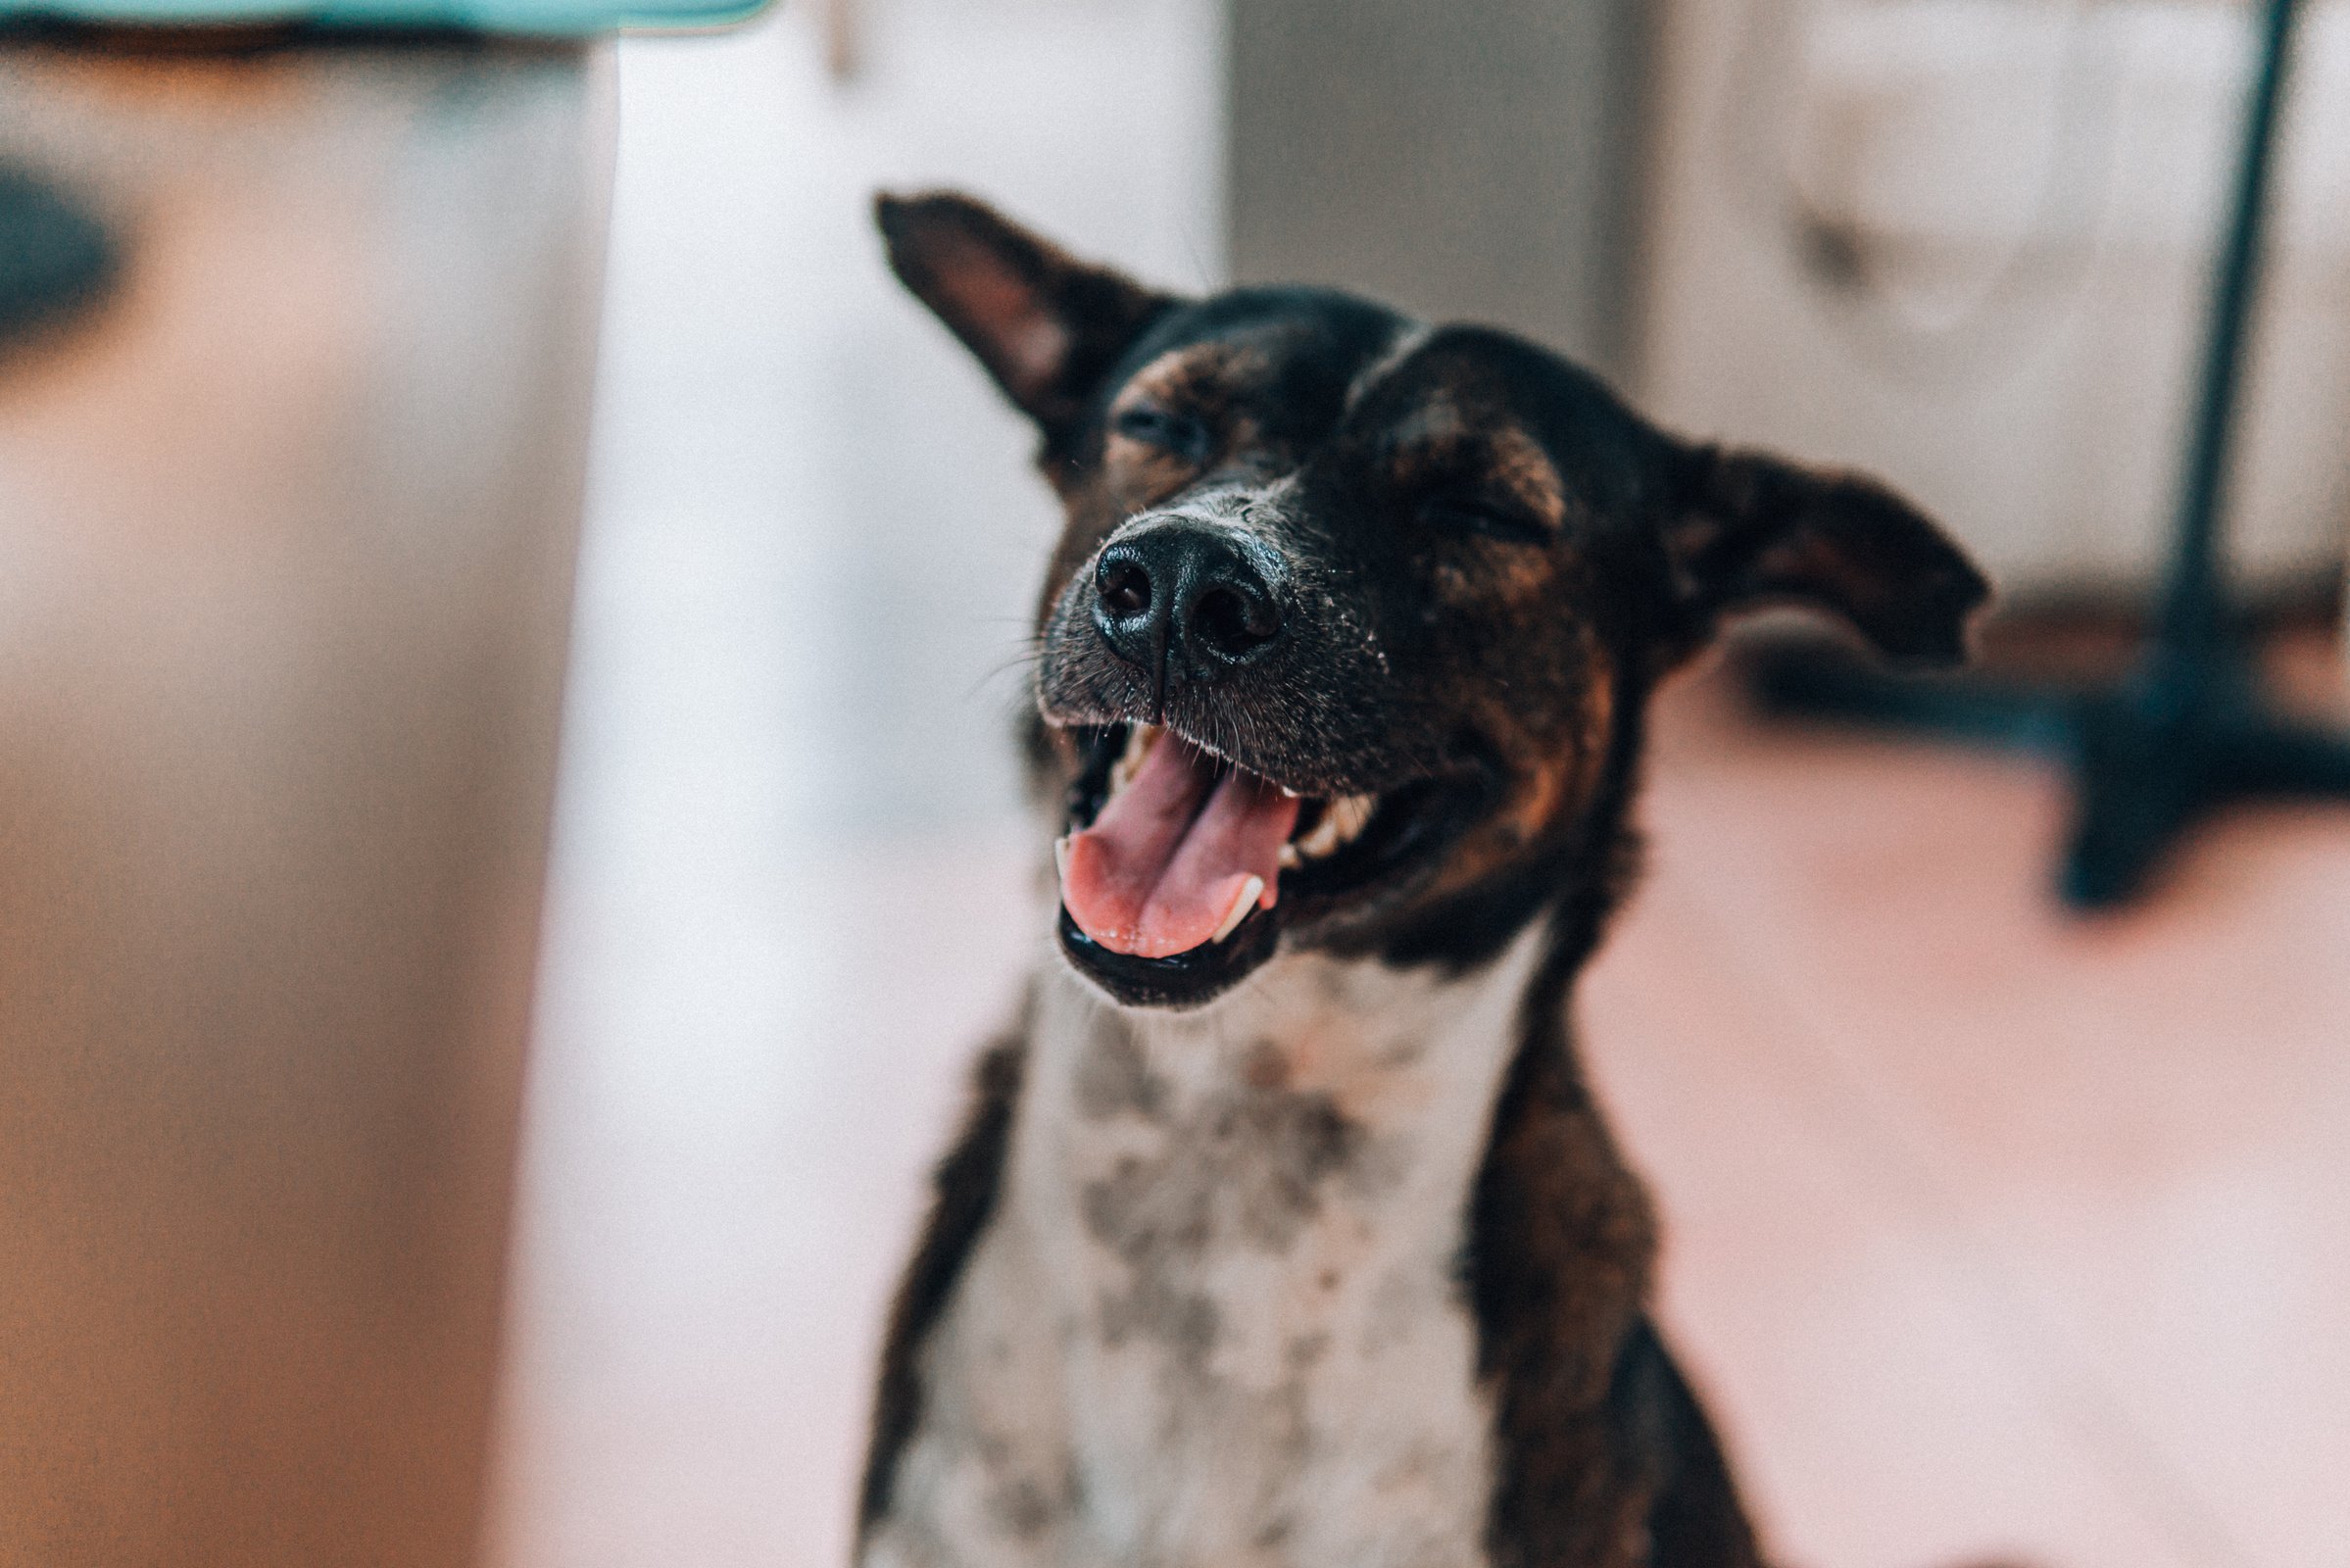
(1175,595)
(1125,589)
(1231,623)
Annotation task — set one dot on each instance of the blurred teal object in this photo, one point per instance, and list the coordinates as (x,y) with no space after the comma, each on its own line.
(535,17)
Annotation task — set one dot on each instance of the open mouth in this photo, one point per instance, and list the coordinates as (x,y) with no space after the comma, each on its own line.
(1181,867)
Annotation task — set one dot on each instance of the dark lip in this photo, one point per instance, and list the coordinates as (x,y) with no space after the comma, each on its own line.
(1183,980)
(1414,820)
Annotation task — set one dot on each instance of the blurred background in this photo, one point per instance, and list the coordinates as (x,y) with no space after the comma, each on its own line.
(1992,1229)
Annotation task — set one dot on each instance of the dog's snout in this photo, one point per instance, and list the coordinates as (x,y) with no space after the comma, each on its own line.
(1184,594)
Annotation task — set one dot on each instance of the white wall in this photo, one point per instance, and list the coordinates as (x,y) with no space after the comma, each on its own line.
(794,461)
(2036,183)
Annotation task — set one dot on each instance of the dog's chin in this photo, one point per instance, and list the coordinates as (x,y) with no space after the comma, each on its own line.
(1352,864)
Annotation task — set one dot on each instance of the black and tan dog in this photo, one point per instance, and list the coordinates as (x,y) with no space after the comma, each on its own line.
(1283,1230)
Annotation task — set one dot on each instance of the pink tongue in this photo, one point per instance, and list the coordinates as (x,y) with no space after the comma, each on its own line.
(1158,872)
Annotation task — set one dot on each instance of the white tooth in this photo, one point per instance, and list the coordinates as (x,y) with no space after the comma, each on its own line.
(1251,892)
(1342,821)
(1288,794)
(1289,858)
(1138,741)
(1321,841)
(1060,856)
(1353,814)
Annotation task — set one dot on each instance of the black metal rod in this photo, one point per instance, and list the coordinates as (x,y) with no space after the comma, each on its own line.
(2190,614)
(2191,731)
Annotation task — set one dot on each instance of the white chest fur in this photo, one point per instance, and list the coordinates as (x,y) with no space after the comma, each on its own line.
(1216,1319)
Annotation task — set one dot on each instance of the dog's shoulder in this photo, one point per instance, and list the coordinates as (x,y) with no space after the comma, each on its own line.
(1602,1452)
(965,1192)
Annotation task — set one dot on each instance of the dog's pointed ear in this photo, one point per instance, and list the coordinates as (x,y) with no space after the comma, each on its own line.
(1746,530)
(1047,327)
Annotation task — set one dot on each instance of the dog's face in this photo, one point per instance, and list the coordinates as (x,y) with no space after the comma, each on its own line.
(1353,617)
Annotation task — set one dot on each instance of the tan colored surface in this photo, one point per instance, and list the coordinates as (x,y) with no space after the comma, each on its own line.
(1991,1228)
(285,540)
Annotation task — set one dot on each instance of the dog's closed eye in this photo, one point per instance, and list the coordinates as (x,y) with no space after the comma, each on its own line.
(1180,435)
(1482,516)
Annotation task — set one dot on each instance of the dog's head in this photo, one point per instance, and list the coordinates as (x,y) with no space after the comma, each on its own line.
(1345,639)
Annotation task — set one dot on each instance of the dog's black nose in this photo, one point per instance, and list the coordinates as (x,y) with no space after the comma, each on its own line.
(1185,592)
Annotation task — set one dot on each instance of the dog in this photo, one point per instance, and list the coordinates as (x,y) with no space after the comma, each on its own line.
(1283,1228)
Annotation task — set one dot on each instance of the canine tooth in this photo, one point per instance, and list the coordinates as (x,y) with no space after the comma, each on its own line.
(1138,741)
(1289,858)
(1250,891)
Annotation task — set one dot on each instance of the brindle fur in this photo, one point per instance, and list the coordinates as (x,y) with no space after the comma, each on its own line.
(1414,647)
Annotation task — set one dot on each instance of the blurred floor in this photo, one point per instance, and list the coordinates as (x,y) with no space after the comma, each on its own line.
(1992,1229)
(1989,1232)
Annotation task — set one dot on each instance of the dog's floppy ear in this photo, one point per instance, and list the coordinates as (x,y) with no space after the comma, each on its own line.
(1047,327)
(1746,529)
